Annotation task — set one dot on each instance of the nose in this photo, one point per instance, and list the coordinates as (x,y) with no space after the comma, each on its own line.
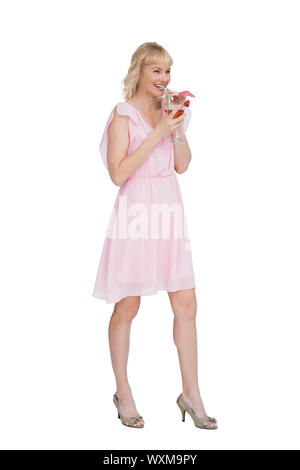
(164,78)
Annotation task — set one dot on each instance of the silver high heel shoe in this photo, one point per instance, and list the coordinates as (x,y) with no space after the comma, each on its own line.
(130,421)
(199,422)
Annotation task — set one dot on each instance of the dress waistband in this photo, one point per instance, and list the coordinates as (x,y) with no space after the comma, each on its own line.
(153,176)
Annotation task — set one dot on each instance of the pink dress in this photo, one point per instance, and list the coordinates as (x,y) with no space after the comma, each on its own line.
(147,247)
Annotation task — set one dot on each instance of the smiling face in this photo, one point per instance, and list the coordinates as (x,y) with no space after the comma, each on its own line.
(152,75)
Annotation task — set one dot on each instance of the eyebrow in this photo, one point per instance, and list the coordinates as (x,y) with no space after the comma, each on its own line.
(157,67)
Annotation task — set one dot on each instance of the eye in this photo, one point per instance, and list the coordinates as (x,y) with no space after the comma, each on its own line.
(168,71)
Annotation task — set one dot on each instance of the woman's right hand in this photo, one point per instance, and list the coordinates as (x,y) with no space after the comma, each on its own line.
(168,125)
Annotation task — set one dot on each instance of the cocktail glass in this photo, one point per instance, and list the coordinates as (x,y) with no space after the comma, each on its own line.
(180,111)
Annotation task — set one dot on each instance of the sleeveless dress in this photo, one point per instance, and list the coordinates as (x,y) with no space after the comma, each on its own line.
(146,247)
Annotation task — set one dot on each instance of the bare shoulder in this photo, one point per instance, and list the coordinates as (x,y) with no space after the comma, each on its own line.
(117,118)
(118,142)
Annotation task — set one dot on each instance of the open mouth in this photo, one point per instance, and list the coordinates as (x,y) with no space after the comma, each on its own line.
(158,86)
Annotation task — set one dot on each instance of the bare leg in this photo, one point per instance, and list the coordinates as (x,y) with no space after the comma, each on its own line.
(184,306)
(119,339)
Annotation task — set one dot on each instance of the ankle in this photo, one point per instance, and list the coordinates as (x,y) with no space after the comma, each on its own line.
(193,394)
(124,392)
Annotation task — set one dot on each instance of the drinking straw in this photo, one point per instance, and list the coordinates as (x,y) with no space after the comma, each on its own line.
(169,98)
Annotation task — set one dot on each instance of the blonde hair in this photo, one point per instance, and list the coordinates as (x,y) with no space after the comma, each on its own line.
(146,54)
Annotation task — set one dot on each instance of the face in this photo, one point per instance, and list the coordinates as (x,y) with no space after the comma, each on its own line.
(152,75)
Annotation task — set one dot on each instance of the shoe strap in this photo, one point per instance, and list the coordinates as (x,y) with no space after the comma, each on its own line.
(202,421)
(130,419)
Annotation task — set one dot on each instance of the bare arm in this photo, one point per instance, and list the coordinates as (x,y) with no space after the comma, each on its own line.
(182,156)
(121,166)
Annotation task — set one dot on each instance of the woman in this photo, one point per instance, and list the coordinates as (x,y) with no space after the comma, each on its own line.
(139,154)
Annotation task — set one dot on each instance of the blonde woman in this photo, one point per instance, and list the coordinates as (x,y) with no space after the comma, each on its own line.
(138,257)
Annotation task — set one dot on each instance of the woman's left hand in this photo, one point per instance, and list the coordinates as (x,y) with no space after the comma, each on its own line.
(175,97)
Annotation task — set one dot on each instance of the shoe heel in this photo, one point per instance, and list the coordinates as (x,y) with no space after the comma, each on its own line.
(182,411)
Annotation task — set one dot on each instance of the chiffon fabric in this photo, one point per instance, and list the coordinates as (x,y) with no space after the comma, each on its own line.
(147,246)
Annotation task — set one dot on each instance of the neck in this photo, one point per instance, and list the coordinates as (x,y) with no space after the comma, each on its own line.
(147,102)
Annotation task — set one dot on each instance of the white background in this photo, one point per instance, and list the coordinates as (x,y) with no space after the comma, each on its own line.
(62,67)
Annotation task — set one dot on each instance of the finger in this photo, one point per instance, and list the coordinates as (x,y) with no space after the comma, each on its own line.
(178,120)
(181,116)
(173,92)
(178,126)
(175,109)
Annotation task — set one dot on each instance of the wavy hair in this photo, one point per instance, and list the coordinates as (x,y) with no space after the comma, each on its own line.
(146,54)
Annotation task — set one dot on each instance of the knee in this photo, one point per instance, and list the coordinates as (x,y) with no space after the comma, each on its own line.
(127,308)
(187,310)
